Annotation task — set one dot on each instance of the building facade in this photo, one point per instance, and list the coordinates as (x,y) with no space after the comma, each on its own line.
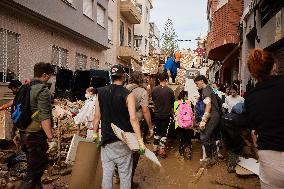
(66,33)
(142,39)
(262,27)
(223,42)
(154,39)
(129,15)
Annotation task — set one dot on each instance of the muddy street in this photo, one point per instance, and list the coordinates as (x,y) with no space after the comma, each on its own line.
(180,174)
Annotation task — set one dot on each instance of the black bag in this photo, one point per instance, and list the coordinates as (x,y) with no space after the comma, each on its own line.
(21,109)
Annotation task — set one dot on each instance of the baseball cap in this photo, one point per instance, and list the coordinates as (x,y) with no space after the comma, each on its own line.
(118,70)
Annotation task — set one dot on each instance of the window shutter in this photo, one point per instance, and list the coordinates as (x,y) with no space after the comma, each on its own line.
(81,61)
(110,29)
(100,15)
(12,55)
(88,8)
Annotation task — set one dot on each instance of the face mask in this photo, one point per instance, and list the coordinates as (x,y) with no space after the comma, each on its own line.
(87,95)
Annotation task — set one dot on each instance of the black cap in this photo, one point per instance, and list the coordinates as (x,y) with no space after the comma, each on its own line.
(117,69)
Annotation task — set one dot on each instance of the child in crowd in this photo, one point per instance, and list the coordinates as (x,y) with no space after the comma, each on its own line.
(184,121)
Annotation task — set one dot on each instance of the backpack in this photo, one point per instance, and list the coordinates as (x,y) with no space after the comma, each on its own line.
(219,104)
(185,115)
(21,112)
(199,109)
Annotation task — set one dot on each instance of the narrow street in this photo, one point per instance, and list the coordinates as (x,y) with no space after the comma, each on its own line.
(84,83)
(179,174)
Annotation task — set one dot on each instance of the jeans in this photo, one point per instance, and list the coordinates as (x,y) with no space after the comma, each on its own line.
(116,154)
(208,135)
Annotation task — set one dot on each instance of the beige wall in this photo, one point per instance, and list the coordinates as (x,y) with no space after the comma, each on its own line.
(36,43)
(111,53)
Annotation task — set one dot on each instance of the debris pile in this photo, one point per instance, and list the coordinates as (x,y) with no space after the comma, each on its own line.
(151,66)
(186,59)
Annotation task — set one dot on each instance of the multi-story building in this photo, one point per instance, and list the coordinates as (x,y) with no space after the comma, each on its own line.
(154,39)
(223,42)
(142,30)
(263,27)
(67,33)
(128,16)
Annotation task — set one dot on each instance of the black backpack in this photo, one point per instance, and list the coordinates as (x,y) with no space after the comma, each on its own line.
(219,104)
(21,108)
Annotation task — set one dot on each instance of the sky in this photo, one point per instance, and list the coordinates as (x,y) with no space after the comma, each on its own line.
(189,18)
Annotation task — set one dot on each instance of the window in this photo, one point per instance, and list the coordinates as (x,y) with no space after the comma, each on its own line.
(81,61)
(268,9)
(101,15)
(9,55)
(110,29)
(146,43)
(95,63)
(139,6)
(59,56)
(88,8)
(121,32)
(147,14)
(138,42)
(129,37)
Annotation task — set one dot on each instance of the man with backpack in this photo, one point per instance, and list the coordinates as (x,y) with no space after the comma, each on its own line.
(116,105)
(32,115)
(209,121)
(164,99)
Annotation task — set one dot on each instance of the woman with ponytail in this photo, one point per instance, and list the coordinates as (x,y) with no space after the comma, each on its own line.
(264,105)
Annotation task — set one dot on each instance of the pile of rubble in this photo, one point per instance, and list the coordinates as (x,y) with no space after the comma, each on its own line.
(186,59)
(151,66)
(13,162)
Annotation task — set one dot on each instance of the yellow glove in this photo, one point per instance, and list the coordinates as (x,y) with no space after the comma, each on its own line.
(202,125)
(95,136)
(141,147)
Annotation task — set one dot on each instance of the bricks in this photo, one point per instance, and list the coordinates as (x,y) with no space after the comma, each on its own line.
(225,24)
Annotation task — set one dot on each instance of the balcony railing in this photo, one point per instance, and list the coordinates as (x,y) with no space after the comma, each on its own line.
(130,11)
(127,53)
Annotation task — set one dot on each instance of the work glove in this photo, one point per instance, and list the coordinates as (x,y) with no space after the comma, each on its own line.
(52,146)
(202,125)
(95,136)
(141,147)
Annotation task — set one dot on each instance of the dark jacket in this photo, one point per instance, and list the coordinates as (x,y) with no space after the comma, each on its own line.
(265,109)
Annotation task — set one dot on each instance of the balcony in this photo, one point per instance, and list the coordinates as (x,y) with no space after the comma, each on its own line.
(127,54)
(225,33)
(129,10)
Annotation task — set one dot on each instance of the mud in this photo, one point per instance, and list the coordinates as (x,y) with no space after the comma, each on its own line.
(180,174)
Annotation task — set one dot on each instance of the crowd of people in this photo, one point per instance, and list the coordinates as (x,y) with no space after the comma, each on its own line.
(218,116)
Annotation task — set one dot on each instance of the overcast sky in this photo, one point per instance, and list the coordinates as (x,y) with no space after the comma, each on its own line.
(189,17)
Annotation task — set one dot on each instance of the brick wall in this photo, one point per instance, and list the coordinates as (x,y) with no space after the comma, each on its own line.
(225,24)
(36,43)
